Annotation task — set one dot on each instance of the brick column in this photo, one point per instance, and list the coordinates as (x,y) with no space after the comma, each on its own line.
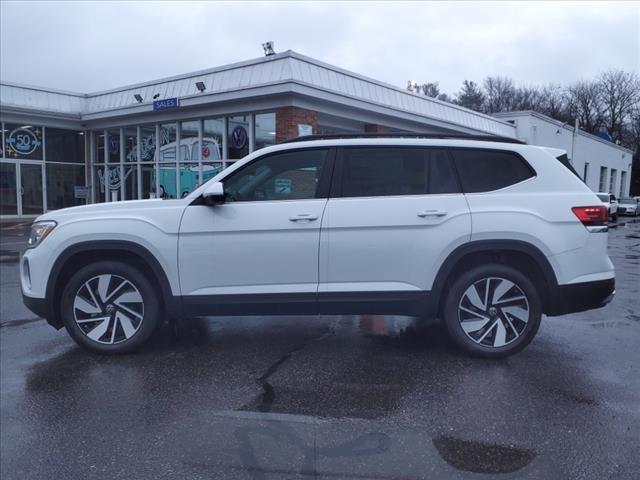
(373,128)
(288,118)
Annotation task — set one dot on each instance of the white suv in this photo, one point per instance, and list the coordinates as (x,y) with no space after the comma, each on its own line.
(484,235)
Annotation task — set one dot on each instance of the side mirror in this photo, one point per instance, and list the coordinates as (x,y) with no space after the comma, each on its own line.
(214,193)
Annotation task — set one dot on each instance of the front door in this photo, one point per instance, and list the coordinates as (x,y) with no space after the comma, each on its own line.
(260,247)
(31,191)
(393,216)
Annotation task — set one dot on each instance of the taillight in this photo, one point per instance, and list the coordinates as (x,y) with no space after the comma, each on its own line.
(592,216)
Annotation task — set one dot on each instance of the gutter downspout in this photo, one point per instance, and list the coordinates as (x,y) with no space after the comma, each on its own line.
(573,141)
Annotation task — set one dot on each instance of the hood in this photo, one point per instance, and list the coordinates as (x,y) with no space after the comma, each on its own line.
(109,209)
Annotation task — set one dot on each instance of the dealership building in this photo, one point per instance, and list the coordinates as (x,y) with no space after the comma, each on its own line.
(165,137)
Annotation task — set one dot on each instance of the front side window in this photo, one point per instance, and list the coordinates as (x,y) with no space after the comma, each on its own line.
(488,170)
(284,176)
(375,172)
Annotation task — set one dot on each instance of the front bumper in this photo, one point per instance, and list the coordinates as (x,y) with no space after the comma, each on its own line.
(579,297)
(36,305)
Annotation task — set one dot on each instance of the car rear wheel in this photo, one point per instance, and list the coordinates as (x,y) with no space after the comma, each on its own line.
(110,307)
(492,311)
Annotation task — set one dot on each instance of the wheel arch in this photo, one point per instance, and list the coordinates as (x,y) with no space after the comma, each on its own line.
(515,253)
(74,256)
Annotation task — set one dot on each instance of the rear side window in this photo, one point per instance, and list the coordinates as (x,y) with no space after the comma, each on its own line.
(487,170)
(373,172)
(564,160)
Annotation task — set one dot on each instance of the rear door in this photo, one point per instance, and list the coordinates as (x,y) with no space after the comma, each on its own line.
(393,216)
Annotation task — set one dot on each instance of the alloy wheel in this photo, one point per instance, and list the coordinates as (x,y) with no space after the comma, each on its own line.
(108,309)
(493,312)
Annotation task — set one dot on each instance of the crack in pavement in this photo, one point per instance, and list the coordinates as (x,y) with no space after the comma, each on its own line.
(269,394)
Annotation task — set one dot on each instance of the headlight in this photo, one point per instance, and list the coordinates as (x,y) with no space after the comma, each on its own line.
(39,231)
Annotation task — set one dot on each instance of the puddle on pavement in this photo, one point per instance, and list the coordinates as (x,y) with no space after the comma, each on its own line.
(478,457)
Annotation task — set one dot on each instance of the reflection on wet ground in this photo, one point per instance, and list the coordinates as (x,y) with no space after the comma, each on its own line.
(329,397)
(480,457)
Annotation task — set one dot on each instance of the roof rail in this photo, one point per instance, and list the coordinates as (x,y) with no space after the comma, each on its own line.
(437,136)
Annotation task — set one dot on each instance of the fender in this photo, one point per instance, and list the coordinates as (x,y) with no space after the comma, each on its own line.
(479,246)
(172,303)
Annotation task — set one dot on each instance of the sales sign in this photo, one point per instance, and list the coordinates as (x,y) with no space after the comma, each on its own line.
(166,104)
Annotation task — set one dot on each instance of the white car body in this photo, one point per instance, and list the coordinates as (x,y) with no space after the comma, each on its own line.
(629,206)
(312,253)
(610,202)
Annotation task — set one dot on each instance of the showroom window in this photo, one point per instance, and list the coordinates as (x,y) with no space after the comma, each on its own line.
(205,147)
(41,168)
(238,137)
(212,139)
(130,170)
(8,189)
(65,146)
(64,167)
(265,130)
(23,142)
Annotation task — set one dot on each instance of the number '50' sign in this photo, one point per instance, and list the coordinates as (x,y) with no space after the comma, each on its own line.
(23,141)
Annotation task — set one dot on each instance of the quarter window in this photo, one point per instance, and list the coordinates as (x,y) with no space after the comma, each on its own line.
(372,172)
(285,176)
(487,170)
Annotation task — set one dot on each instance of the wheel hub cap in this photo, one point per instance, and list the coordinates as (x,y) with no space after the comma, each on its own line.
(493,312)
(108,309)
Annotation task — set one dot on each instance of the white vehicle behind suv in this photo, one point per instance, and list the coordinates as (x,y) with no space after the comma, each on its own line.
(485,235)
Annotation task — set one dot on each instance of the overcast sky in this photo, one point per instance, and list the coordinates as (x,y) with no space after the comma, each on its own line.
(86,47)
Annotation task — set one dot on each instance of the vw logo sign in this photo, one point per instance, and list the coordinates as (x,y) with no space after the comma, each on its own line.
(239,137)
(23,141)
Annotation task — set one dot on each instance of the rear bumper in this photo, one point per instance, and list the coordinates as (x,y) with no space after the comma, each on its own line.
(580,297)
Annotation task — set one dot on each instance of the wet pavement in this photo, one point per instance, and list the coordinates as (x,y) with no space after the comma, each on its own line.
(329,397)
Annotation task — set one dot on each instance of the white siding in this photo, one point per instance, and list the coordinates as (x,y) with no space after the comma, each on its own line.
(537,129)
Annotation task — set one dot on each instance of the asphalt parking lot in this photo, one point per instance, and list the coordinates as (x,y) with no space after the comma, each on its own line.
(331,397)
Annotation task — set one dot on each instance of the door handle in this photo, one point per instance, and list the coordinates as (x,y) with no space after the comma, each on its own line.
(309,217)
(431,213)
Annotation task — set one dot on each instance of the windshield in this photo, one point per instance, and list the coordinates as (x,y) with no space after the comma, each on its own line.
(604,198)
(628,200)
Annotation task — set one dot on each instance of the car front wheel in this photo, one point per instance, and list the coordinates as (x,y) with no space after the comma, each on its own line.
(110,307)
(492,311)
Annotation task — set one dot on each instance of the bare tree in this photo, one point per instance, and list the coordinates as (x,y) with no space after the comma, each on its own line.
(619,95)
(527,98)
(584,104)
(554,102)
(499,94)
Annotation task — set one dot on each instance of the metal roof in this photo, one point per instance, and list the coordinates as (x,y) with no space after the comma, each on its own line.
(288,69)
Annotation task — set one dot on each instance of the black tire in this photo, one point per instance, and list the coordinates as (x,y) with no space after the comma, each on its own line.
(144,319)
(457,298)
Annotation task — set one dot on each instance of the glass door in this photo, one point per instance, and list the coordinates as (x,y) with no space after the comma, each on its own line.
(8,189)
(31,189)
